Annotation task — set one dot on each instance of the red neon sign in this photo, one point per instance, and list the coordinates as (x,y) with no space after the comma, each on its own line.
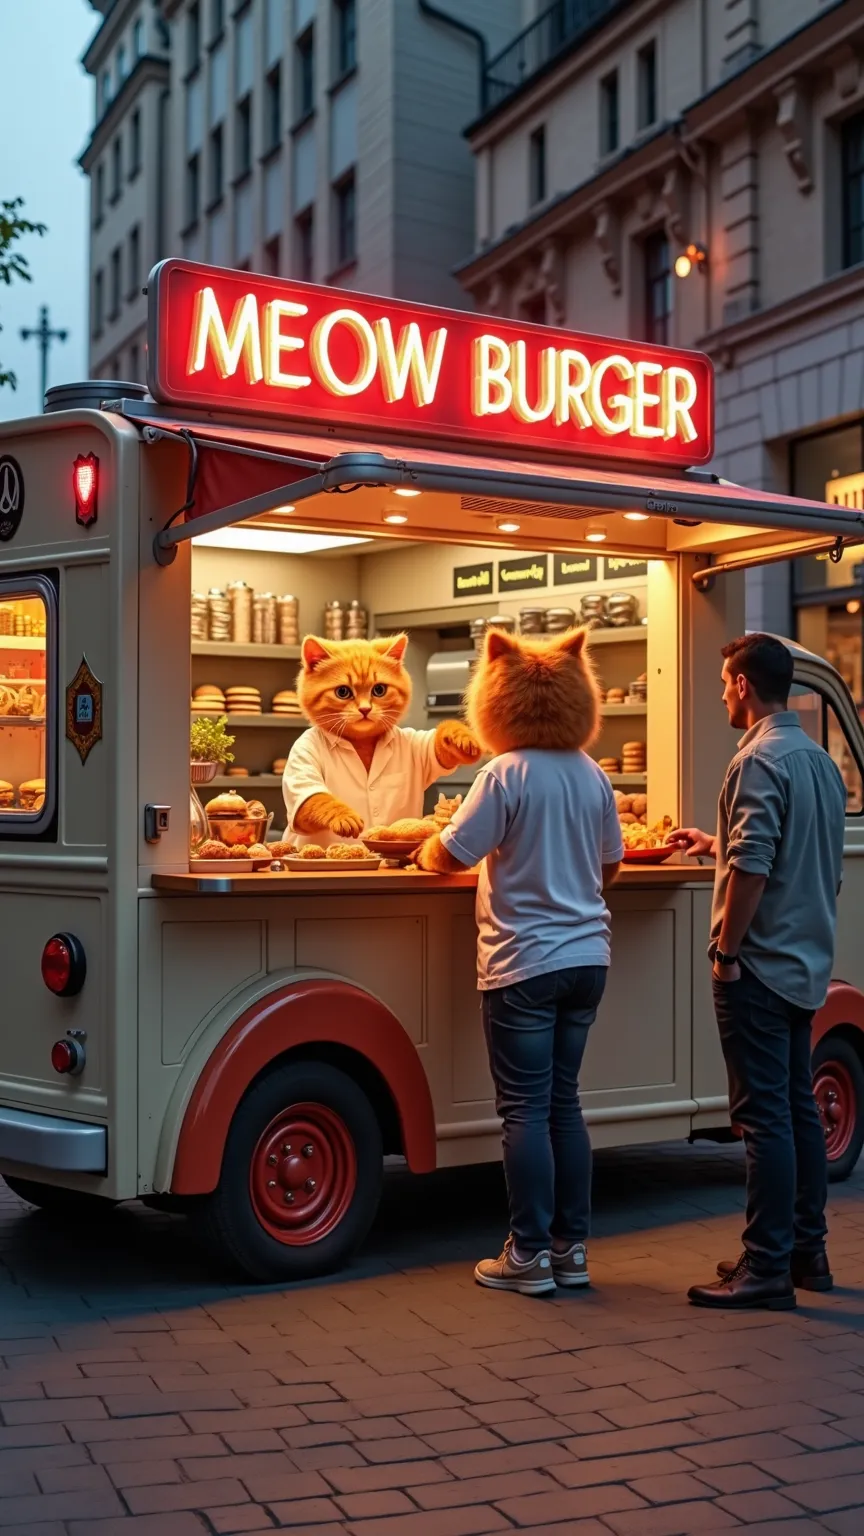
(238,342)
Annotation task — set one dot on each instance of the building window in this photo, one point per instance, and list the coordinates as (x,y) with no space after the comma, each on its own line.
(346,221)
(193,37)
(98,303)
(244,53)
(217,19)
(273,109)
(658,288)
(345,29)
(120,62)
(243,137)
(134,263)
(305,55)
(106,89)
(135,143)
(134,363)
(116,276)
(116,169)
(537,165)
(272,253)
(193,190)
(99,195)
(304,231)
(138,40)
(217,165)
(609,117)
(646,85)
(853,190)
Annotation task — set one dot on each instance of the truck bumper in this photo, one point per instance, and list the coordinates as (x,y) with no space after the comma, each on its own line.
(46,1141)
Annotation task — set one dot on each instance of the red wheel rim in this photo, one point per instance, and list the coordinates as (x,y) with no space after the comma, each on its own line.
(835,1100)
(303,1174)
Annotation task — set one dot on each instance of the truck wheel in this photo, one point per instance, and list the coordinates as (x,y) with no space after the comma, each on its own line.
(838,1083)
(55,1201)
(301,1175)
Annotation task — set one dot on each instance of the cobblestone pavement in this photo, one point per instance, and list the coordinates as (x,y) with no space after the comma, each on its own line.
(142,1395)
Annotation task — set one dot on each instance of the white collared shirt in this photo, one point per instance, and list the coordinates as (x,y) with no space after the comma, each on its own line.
(402,769)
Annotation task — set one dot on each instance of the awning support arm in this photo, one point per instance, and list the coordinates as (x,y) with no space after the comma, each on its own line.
(346,470)
(703,579)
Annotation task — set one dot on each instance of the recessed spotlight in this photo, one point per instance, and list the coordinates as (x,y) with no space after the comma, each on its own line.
(406,490)
(508,527)
(636,517)
(853,605)
(595,533)
(395,517)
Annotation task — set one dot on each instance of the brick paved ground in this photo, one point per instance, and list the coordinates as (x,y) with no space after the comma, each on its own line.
(142,1396)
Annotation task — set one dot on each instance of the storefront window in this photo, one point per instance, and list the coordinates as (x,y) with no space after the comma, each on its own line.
(814,463)
(26,617)
(821,724)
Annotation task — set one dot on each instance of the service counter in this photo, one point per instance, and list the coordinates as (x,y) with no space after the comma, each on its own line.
(390,882)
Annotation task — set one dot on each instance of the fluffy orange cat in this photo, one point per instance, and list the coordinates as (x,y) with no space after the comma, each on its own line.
(356,692)
(527,693)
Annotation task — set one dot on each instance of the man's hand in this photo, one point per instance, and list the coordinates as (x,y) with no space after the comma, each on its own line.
(727,973)
(696,844)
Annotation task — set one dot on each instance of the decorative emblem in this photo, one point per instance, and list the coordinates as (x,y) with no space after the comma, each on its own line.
(11,497)
(84,711)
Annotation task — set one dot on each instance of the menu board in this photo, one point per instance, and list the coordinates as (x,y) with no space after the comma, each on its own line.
(618,566)
(570,569)
(523,572)
(473,580)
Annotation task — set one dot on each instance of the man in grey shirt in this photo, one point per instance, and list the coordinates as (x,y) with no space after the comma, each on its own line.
(779,851)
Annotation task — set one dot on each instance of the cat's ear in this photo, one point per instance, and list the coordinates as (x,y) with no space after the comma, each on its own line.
(393,646)
(499,643)
(314,652)
(573,642)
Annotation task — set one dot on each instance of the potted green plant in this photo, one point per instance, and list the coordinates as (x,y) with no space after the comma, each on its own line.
(209,747)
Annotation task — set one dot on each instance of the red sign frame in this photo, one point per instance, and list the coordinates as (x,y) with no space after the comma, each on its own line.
(238,342)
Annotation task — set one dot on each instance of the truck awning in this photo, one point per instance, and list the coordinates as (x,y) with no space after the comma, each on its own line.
(329,484)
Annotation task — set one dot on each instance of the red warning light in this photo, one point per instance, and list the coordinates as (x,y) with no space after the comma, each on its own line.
(85,481)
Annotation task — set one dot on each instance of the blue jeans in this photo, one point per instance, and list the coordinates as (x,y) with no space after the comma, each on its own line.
(766,1045)
(536,1032)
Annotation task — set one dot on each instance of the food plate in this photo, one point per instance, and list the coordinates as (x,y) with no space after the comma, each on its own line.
(648,855)
(291,861)
(220,867)
(397,853)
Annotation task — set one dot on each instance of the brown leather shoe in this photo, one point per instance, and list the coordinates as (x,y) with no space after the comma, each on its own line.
(810,1271)
(743,1290)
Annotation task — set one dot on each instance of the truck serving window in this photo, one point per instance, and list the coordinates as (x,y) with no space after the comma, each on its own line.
(821,724)
(27,704)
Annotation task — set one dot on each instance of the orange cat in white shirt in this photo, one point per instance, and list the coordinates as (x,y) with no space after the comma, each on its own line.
(355,692)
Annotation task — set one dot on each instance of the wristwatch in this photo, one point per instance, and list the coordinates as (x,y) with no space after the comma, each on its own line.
(721,959)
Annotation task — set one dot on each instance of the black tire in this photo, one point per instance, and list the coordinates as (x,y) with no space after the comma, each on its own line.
(72,1203)
(235,1220)
(838,1082)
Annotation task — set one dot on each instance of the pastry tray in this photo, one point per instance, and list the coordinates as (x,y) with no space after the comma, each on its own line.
(351,865)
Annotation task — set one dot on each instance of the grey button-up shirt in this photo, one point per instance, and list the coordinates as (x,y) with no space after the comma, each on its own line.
(782,814)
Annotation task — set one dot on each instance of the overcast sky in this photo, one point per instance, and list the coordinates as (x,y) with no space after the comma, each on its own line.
(45,118)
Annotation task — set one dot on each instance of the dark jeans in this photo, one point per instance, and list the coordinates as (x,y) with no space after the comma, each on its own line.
(536,1033)
(766,1043)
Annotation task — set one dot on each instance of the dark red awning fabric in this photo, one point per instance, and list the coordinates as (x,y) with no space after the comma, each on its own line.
(224,478)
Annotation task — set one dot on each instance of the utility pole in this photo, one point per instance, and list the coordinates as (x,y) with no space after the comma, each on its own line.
(44,337)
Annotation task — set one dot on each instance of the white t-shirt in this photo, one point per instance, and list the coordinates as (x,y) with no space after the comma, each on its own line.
(544,823)
(402,769)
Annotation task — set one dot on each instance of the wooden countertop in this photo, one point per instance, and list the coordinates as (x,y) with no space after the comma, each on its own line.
(388,882)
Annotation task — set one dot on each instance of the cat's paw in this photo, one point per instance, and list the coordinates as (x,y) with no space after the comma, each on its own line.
(455,744)
(343,821)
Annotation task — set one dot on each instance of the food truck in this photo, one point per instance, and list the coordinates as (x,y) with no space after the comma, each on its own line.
(250,1042)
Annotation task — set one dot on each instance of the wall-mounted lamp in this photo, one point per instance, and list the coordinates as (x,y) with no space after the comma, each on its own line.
(694,256)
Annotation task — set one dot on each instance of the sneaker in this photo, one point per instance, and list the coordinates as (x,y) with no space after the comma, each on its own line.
(571,1266)
(533,1278)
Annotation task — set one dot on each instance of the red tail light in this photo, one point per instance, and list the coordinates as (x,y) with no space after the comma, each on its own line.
(68,1057)
(85,480)
(64,965)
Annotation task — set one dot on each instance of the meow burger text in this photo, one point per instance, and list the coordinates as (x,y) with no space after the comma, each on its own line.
(277,348)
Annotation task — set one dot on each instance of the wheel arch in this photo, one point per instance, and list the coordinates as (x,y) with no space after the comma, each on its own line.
(322,1018)
(842,1013)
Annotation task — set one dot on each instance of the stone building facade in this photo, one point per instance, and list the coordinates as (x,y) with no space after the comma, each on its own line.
(619,133)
